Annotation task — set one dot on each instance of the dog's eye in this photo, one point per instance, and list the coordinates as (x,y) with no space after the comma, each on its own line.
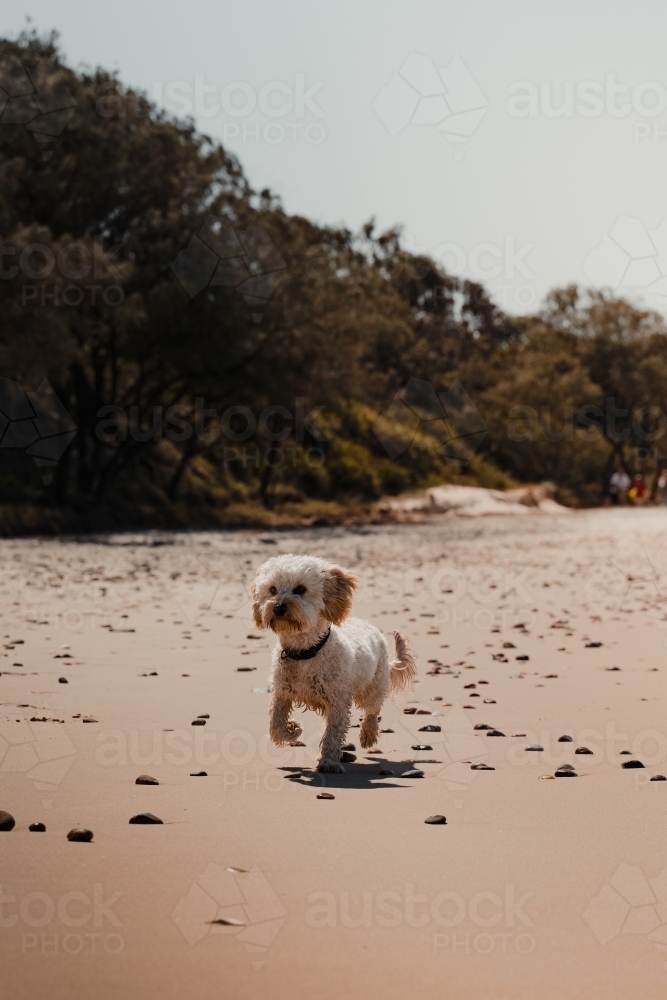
(299,590)
(273,590)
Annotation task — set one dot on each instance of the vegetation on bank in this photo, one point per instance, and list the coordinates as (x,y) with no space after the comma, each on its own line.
(223,362)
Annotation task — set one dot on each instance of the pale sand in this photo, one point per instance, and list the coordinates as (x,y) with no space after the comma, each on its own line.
(583,857)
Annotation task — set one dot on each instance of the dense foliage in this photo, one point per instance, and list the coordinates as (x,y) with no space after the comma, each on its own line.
(219,357)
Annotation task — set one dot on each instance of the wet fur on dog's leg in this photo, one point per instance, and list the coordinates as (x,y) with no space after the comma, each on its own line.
(281,729)
(337,724)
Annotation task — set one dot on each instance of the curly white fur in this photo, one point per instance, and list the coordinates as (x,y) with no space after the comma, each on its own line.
(299,597)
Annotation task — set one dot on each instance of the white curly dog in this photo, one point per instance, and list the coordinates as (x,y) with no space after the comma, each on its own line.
(319,662)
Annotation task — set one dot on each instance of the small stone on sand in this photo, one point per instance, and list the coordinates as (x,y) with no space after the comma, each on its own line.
(534,746)
(198,722)
(325,795)
(583,750)
(564,739)
(81,835)
(145,818)
(495,732)
(7,821)
(421,746)
(414,773)
(63,680)
(146,779)
(481,767)
(430,729)
(658,777)
(37,828)
(483,725)
(436,820)
(88,718)
(198,774)
(631,763)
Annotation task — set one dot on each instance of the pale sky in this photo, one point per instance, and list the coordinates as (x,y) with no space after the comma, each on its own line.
(402,110)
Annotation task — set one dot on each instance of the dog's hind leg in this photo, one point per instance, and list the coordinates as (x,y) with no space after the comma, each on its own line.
(371,703)
(337,723)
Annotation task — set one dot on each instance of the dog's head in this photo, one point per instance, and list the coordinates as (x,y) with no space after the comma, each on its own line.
(294,593)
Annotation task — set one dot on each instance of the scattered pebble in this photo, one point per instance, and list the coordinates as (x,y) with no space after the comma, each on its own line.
(198,774)
(631,763)
(563,773)
(593,645)
(146,779)
(628,753)
(198,722)
(243,670)
(546,777)
(79,834)
(414,773)
(494,732)
(325,795)
(435,820)
(386,772)
(421,746)
(386,730)
(63,680)
(483,725)
(88,718)
(203,716)
(583,750)
(7,821)
(37,828)
(534,746)
(145,818)
(658,777)
(565,739)
(430,729)
(481,767)
(523,657)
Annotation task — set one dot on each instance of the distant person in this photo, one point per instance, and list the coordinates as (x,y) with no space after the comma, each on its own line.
(662,487)
(638,492)
(619,484)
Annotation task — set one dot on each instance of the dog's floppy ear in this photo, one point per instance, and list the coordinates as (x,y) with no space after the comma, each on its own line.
(338,588)
(256,611)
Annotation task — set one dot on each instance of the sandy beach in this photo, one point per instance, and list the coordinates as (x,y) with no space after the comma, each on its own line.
(253,887)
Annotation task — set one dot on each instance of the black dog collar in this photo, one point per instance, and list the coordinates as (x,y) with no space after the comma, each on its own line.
(305,654)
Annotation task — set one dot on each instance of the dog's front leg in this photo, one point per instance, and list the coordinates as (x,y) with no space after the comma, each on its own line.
(281,729)
(338,721)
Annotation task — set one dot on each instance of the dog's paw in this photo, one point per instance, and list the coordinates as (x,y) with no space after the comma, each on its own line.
(329,766)
(368,737)
(280,737)
(294,729)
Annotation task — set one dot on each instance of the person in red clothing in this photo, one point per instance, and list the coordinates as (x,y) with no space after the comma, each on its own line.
(638,491)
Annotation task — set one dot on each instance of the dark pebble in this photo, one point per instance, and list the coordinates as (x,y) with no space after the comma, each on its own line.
(421,746)
(37,828)
(386,772)
(564,739)
(631,763)
(430,729)
(583,750)
(414,773)
(203,716)
(566,774)
(482,725)
(145,818)
(658,777)
(88,718)
(7,821)
(495,732)
(523,657)
(198,774)
(566,767)
(325,795)
(63,680)
(481,767)
(347,758)
(534,746)
(146,779)
(85,836)
(198,722)
(628,753)
(593,645)
(435,820)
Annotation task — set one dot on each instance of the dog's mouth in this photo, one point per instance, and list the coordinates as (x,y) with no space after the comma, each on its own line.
(284,624)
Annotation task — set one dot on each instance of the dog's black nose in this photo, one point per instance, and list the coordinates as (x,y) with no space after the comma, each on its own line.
(279,610)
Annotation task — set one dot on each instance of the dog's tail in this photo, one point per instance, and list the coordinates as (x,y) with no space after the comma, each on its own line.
(402,670)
